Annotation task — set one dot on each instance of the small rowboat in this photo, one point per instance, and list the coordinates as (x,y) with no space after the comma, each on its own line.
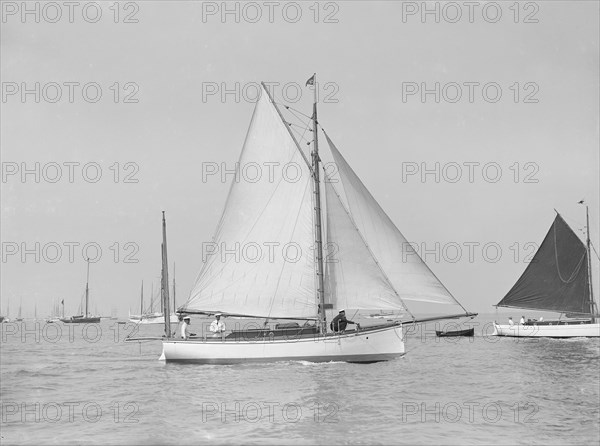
(467,332)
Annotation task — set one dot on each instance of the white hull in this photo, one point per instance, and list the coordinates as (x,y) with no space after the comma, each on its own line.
(153,319)
(372,345)
(573,330)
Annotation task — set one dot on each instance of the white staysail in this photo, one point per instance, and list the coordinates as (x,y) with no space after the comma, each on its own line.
(354,279)
(261,259)
(409,275)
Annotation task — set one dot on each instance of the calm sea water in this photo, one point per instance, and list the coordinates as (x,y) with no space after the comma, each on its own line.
(90,387)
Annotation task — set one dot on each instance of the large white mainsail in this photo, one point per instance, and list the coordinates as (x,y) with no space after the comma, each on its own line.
(261,260)
(410,277)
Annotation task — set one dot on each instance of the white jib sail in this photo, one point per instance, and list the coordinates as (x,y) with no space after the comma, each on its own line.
(409,275)
(261,259)
(354,279)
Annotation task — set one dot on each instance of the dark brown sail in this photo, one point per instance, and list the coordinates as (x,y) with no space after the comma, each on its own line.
(557,277)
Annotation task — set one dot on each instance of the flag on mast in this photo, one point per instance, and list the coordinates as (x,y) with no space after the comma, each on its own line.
(311,81)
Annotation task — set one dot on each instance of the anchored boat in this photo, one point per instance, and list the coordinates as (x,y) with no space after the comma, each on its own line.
(298,255)
(85,318)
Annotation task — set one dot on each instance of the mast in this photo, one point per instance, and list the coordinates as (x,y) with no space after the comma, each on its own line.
(162,279)
(152,298)
(142,300)
(589,258)
(87,290)
(318,217)
(174,305)
(165,264)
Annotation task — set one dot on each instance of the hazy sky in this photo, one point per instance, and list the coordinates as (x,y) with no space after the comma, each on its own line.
(372,58)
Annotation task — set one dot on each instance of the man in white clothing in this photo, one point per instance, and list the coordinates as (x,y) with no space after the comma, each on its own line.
(510,321)
(217,326)
(522,320)
(185,333)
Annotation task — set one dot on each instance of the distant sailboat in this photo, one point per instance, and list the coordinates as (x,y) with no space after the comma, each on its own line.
(558,279)
(375,268)
(19,317)
(86,318)
(155,317)
(7,317)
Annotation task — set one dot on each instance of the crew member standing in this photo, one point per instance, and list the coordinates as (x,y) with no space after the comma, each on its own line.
(217,326)
(185,333)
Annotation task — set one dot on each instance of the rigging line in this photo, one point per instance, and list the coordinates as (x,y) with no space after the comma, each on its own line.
(368,248)
(297,125)
(307,124)
(302,138)
(575,272)
(594,248)
(272,101)
(292,109)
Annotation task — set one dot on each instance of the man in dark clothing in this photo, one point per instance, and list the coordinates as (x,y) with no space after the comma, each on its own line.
(340,322)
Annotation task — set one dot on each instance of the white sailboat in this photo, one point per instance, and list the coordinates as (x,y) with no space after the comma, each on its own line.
(19,317)
(558,279)
(152,317)
(373,267)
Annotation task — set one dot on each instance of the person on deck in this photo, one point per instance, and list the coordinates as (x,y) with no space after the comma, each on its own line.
(522,320)
(185,333)
(510,321)
(340,322)
(217,326)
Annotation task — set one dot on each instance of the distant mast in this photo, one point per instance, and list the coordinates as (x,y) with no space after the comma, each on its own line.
(142,300)
(318,218)
(162,279)
(165,264)
(87,290)
(174,305)
(589,258)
